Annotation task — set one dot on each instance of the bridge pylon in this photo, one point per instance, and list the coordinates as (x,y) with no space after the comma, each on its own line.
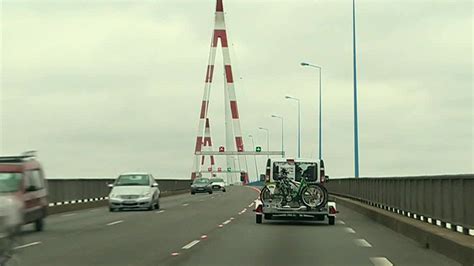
(234,139)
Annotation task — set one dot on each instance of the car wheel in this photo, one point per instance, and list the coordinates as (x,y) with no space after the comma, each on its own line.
(210,192)
(39,225)
(111,209)
(332,220)
(192,192)
(223,190)
(258,218)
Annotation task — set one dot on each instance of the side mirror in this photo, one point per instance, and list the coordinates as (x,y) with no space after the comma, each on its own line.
(110,185)
(155,185)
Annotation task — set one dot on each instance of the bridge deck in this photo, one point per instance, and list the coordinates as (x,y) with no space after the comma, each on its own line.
(98,237)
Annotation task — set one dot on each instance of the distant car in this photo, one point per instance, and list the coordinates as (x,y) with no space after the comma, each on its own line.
(134,191)
(218,184)
(201,185)
(23,186)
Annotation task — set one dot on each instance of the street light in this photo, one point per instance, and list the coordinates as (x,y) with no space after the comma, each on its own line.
(356,127)
(268,138)
(282,145)
(320,107)
(299,123)
(255,158)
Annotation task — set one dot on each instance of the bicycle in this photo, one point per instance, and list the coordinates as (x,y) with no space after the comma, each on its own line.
(312,195)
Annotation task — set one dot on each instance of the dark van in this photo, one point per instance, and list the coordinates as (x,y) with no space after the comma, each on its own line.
(22,179)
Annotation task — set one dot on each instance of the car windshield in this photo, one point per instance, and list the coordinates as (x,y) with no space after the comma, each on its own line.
(217,180)
(133,180)
(9,182)
(201,181)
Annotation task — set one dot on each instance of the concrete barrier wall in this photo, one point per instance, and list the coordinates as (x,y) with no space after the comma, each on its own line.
(446,200)
(80,190)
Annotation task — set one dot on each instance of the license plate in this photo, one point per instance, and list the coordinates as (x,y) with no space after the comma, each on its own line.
(129,202)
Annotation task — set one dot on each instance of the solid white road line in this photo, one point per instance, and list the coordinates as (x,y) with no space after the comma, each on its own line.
(349,230)
(69,214)
(161,211)
(380,261)
(27,245)
(190,245)
(226,222)
(362,243)
(116,222)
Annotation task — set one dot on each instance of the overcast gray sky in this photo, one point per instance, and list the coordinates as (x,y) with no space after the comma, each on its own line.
(102,87)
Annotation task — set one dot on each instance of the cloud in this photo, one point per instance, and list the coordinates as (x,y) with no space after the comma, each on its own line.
(101,87)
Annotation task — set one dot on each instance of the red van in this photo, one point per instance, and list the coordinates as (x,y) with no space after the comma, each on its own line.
(22,180)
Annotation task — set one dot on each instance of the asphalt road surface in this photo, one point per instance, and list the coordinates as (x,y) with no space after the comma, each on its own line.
(217,229)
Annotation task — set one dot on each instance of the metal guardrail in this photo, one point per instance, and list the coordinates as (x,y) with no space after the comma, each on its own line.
(70,190)
(446,200)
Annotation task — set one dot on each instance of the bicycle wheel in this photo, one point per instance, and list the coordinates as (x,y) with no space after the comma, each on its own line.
(314,196)
(268,197)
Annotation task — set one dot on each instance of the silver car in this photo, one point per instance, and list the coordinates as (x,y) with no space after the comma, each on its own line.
(134,191)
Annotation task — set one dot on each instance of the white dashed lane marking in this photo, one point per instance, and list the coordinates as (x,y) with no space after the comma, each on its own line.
(380,261)
(190,245)
(349,230)
(186,204)
(161,211)
(250,205)
(116,222)
(362,243)
(27,245)
(226,222)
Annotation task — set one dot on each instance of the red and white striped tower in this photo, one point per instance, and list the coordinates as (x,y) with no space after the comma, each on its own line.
(207,146)
(233,130)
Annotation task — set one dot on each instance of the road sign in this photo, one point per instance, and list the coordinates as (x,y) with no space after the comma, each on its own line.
(239,153)
(229,169)
(258,149)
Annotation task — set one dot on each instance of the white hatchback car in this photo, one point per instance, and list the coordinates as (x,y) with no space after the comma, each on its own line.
(134,191)
(218,184)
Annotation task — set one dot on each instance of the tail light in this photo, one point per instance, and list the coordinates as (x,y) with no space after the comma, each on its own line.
(322,172)
(259,208)
(332,210)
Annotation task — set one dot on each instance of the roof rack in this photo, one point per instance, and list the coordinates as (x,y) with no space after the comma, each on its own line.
(27,155)
(31,153)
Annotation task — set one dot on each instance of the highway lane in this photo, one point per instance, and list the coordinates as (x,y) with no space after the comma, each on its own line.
(215,230)
(99,237)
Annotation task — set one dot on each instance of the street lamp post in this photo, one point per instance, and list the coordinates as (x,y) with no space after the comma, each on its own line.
(356,126)
(320,108)
(268,138)
(282,132)
(255,157)
(299,123)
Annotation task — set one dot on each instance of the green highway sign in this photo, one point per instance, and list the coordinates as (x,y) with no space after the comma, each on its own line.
(258,149)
